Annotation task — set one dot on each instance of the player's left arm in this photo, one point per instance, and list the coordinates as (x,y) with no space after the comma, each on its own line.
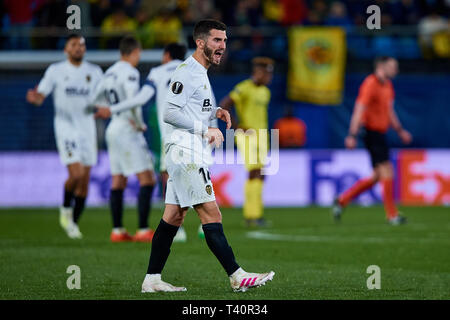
(404,135)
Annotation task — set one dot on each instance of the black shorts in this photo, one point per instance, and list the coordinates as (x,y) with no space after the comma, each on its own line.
(377,146)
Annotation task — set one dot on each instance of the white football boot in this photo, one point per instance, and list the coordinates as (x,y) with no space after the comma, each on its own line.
(241,281)
(153,283)
(73,232)
(65,216)
(398,220)
(180,236)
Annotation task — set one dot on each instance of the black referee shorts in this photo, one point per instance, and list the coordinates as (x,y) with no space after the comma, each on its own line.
(377,146)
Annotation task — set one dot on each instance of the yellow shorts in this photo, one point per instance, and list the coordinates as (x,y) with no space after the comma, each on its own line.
(253,147)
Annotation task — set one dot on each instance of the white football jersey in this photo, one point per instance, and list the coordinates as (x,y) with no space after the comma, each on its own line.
(159,78)
(71,87)
(121,82)
(190,90)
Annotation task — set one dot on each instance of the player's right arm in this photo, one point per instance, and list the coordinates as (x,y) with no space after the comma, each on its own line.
(37,95)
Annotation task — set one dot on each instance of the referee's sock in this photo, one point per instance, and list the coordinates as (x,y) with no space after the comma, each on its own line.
(161,243)
(388,198)
(116,205)
(355,190)
(218,244)
(144,205)
(78,208)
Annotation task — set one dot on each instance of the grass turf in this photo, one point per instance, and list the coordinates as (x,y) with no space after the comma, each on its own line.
(313,257)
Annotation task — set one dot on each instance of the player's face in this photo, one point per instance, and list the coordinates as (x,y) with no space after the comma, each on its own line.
(135,56)
(266,77)
(215,46)
(391,68)
(165,57)
(75,49)
(262,76)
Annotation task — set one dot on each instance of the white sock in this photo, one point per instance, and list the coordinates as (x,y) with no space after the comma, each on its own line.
(153,277)
(238,272)
(143,230)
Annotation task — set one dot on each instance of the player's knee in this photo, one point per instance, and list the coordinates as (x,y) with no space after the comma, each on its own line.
(118,182)
(375,175)
(178,220)
(385,171)
(175,220)
(209,214)
(76,176)
(146,178)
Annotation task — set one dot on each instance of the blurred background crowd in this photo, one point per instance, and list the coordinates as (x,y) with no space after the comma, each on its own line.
(39,24)
(416,32)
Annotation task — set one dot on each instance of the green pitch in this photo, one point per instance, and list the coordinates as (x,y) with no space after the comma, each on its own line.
(313,258)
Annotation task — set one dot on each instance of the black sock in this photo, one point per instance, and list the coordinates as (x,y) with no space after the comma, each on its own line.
(217,243)
(78,208)
(116,205)
(162,240)
(144,205)
(68,196)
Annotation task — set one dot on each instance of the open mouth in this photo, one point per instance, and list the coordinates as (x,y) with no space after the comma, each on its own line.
(218,54)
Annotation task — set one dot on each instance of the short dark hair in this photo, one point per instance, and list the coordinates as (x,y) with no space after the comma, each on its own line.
(176,50)
(263,62)
(128,44)
(203,27)
(381,59)
(73,36)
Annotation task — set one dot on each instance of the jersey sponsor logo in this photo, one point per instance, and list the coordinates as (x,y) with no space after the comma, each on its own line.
(73,91)
(132,78)
(177,87)
(206,105)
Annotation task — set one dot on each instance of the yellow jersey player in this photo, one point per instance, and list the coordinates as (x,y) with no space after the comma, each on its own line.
(251,99)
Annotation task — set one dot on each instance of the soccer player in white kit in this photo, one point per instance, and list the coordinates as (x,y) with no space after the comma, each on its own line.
(157,84)
(188,112)
(72,82)
(127,148)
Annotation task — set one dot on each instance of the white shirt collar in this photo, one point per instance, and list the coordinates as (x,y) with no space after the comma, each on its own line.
(198,65)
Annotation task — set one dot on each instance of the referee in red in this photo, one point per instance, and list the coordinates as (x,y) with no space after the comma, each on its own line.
(374,111)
